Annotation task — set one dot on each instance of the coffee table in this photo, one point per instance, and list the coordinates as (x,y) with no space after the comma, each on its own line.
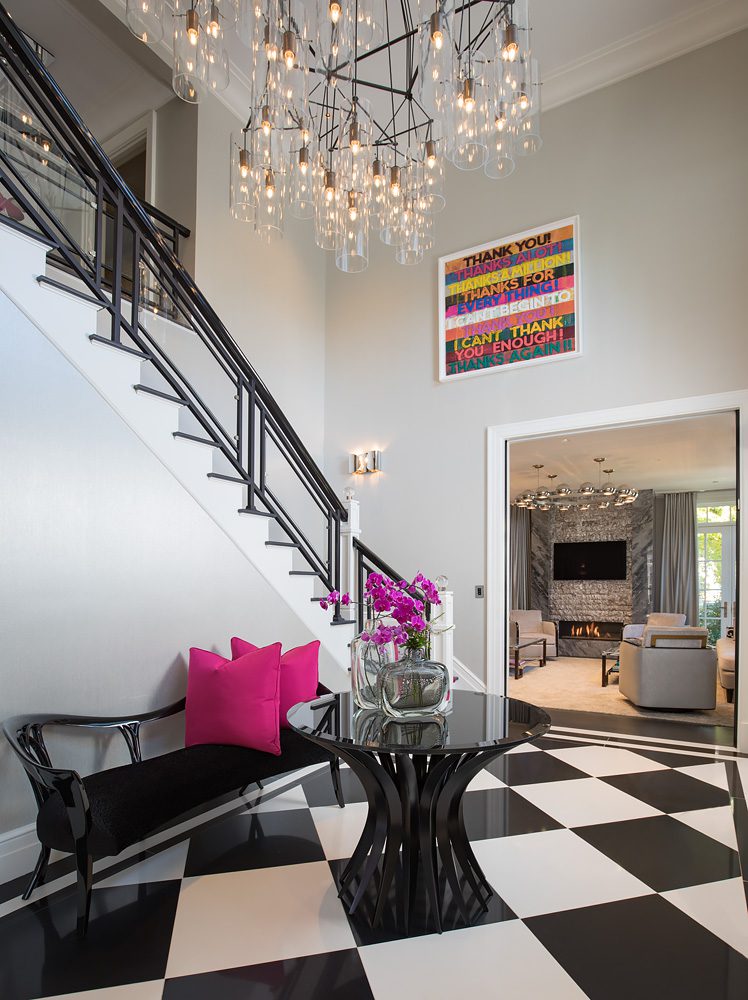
(414,774)
(610,654)
(519,665)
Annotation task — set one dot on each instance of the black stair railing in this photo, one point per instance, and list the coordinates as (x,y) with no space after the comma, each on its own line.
(58,183)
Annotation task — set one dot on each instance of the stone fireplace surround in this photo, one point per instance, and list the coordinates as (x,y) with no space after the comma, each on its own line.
(626,601)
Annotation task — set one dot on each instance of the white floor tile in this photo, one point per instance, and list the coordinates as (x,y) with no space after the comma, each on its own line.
(546,872)
(484,781)
(489,961)
(168,864)
(132,991)
(717,823)
(242,918)
(338,829)
(601,761)
(525,748)
(714,774)
(294,798)
(584,801)
(718,906)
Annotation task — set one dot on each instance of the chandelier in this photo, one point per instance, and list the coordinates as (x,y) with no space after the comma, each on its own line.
(355,108)
(600,496)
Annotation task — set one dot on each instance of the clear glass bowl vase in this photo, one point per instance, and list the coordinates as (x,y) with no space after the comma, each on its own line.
(367,662)
(413,687)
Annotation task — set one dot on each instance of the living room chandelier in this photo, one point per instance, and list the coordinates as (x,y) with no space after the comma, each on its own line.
(355,107)
(602,496)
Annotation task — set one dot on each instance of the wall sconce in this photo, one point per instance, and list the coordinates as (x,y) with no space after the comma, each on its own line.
(365,461)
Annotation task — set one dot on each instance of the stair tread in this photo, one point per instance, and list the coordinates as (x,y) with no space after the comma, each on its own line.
(95,338)
(304,572)
(139,387)
(42,279)
(344,621)
(227,478)
(283,545)
(195,437)
(258,513)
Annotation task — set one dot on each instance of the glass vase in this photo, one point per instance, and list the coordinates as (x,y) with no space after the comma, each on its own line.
(367,661)
(415,687)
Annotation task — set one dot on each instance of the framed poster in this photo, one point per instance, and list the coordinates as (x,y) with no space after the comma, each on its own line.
(510,303)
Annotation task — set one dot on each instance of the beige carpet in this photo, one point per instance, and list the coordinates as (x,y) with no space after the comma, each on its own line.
(574,682)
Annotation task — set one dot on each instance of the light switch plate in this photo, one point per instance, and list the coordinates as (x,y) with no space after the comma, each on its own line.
(479,591)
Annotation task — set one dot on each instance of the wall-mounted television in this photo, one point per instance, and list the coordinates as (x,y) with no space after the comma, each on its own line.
(589,561)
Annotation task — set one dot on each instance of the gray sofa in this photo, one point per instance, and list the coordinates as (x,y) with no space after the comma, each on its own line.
(669,667)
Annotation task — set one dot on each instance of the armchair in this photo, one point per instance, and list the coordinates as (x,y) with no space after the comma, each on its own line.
(669,667)
(657,618)
(529,625)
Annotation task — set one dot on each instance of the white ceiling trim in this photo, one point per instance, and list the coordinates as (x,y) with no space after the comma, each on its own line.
(642,51)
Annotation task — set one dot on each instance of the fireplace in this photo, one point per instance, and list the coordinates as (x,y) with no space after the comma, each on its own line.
(593,630)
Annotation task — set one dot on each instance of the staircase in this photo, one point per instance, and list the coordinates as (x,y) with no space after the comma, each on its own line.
(84,261)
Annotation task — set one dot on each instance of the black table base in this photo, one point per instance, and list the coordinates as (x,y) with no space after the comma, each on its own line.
(415,833)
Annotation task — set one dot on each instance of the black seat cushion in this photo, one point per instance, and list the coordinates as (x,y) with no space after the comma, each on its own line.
(130,802)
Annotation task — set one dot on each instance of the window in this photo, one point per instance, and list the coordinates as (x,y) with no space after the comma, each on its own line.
(716,555)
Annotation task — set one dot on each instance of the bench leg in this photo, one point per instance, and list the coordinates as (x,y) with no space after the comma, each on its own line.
(84,867)
(39,872)
(335,775)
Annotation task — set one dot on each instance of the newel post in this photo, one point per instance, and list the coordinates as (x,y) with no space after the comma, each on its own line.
(349,530)
(442,631)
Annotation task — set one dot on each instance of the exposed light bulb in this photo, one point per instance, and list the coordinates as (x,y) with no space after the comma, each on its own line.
(269,184)
(377,171)
(244,163)
(193,26)
(524,100)
(334,10)
(266,121)
(354,137)
(436,27)
(430,154)
(352,209)
(468,97)
(289,49)
(214,24)
(501,116)
(330,182)
(510,47)
(304,160)
(395,182)
(271,47)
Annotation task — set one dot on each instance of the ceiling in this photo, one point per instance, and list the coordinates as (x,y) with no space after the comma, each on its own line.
(581,45)
(694,453)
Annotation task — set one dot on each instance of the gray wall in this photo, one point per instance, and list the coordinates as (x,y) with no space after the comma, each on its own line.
(110,571)
(655,167)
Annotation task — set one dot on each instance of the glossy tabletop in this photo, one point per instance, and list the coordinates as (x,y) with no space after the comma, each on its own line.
(476,722)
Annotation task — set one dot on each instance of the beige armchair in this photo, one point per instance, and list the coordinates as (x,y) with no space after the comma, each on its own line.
(669,667)
(530,625)
(726,666)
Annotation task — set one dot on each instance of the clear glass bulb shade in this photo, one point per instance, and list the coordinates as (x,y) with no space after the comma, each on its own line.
(301,183)
(242,179)
(145,19)
(370,24)
(436,63)
(217,65)
(529,140)
(270,204)
(433,178)
(352,252)
(334,34)
(468,114)
(327,217)
(190,66)
(500,161)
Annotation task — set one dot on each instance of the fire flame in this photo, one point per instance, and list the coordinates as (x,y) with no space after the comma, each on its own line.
(588,631)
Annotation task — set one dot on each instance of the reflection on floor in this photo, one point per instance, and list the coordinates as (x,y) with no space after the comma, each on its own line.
(616,866)
(574,682)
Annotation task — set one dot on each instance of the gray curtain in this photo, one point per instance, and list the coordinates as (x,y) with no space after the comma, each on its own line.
(519,539)
(678,566)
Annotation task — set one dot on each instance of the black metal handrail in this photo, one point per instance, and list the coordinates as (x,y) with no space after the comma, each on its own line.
(126,261)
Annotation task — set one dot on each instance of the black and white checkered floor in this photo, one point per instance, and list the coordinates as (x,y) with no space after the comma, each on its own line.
(616,865)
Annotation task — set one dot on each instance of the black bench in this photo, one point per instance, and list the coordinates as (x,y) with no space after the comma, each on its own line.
(103,813)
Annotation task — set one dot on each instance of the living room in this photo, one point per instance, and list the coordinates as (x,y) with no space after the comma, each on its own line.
(622,545)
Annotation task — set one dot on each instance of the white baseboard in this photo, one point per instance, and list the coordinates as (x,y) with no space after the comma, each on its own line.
(19,850)
(466,677)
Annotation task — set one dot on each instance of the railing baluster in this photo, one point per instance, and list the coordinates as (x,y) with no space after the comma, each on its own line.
(263,450)
(99,235)
(240,420)
(117,268)
(252,405)
(135,304)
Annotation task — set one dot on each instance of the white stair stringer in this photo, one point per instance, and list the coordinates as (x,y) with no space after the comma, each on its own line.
(68,321)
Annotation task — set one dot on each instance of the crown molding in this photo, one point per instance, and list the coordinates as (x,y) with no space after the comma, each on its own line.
(651,47)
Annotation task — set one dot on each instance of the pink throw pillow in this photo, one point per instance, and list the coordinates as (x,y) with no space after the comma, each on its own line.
(234,701)
(299,674)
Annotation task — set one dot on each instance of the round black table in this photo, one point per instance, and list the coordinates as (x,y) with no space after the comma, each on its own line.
(414,774)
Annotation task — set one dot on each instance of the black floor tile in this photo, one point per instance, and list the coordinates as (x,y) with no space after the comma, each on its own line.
(644,948)
(337,975)
(664,729)
(421,920)
(128,941)
(553,743)
(735,785)
(529,768)
(501,812)
(670,791)
(258,840)
(673,759)
(662,852)
(319,791)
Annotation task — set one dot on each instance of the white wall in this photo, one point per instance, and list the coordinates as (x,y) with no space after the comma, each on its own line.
(110,571)
(655,168)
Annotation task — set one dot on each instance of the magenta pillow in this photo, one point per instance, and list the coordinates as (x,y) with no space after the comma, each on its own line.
(234,701)
(299,674)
